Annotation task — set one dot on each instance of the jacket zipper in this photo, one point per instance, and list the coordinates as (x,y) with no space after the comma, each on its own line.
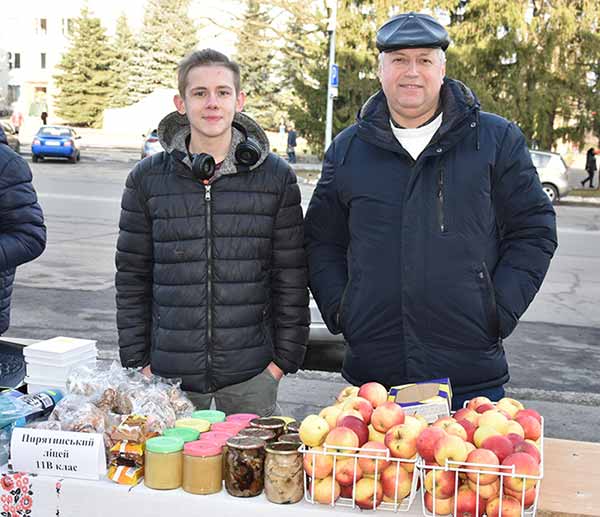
(440,201)
(207,199)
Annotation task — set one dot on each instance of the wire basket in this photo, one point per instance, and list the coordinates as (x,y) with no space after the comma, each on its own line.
(402,476)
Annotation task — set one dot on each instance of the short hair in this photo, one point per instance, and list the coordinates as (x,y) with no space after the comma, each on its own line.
(205,57)
(441,56)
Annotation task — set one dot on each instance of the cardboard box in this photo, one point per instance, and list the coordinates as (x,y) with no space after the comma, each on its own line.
(431,399)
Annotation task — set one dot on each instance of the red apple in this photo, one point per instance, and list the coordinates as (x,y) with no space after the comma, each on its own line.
(501,446)
(525,465)
(469,428)
(481,433)
(331,414)
(514,428)
(341,439)
(484,407)
(368,464)
(396,482)
(347,471)
(467,414)
(468,504)
(526,499)
(374,392)
(326,491)
(386,416)
(358,426)
(530,412)
(442,483)
(485,475)
(347,392)
(426,442)
(346,491)
(401,440)
(515,438)
(486,491)
(438,506)
(450,448)
(511,406)
(529,448)
(368,493)
(347,412)
(363,406)
(478,401)
(531,427)
(510,507)
(494,419)
(317,464)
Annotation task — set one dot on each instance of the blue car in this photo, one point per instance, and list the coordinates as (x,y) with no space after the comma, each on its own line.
(55,142)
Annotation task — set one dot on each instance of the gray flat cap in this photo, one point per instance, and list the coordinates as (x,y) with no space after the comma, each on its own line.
(412,30)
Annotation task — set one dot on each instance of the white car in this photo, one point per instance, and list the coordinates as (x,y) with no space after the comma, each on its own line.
(552,171)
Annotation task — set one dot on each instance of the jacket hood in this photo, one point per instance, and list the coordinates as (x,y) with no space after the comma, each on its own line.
(3,139)
(174,130)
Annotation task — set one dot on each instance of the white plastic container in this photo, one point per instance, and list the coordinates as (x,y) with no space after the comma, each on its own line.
(42,369)
(59,350)
(37,385)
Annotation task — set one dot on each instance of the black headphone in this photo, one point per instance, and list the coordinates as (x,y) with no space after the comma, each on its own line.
(247,153)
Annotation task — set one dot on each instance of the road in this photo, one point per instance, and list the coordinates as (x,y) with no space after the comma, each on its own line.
(554,353)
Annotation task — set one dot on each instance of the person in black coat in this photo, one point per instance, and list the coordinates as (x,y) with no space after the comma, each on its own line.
(22,230)
(291,144)
(212,282)
(590,167)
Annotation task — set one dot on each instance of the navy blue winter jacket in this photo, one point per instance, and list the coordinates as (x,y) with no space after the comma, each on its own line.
(426,265)
(22,230)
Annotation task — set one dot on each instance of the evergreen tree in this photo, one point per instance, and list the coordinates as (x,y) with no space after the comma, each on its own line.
(84,80)
(124,46)
(167,35)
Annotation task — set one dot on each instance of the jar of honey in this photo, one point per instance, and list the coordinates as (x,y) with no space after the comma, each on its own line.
(202,468)
(163,463)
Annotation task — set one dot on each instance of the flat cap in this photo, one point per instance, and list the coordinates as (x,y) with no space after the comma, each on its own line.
(412,30)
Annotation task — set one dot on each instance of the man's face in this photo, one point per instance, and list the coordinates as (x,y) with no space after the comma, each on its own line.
(411,80)
(210,100)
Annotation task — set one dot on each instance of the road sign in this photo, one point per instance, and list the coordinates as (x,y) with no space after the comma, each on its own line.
(335,78)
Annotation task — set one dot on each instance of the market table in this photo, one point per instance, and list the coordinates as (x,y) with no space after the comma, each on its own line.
(571,487)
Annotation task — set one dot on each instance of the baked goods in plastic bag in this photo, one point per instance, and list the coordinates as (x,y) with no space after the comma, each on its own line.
(76,413)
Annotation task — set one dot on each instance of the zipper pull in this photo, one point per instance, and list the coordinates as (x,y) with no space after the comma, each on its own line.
(207,192)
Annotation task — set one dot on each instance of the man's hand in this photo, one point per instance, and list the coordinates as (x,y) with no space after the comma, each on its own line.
(147,371)
(275,370)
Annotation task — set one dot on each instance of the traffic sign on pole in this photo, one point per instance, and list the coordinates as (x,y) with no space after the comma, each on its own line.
(335,77)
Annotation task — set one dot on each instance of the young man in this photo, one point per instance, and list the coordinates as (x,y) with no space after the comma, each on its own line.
(211,273)
(429,233)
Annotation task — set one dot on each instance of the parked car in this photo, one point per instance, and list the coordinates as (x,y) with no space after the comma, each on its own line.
(55,142)
(12,136)
(151,144)
(552,171)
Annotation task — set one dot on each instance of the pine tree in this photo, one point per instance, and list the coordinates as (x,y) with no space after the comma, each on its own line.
(85,73)
(124,46)
(167,35)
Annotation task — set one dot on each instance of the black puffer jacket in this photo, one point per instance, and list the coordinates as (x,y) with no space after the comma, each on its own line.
(22,230)
(211,281)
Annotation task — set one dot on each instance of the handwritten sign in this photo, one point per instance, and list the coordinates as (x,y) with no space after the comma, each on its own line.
(58,453)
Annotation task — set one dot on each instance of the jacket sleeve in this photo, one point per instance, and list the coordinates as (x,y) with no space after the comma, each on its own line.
(133,279)
(22,230)
(527,225)
(326,241)
(289,280)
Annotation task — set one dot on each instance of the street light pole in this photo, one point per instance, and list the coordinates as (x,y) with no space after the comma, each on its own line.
(331,89)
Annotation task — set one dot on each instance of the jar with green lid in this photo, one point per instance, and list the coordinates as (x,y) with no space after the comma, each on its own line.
(202,468)
(163,463)
(195,423)
(284,479)
(272,424)
(187,434)
(255,432)
(210,415)
(244,466)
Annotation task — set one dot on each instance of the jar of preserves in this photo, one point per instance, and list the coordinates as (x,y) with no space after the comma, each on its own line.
(163,463)
(292,427)
(255,432)
(291,438)
(272,424)
(244,466)
(202,468)
(284,481)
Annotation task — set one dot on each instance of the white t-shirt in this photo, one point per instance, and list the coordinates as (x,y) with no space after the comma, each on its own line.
(414,140)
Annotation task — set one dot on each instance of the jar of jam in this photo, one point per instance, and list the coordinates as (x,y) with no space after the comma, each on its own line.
(262,434)
(291,438)
(272,424)
(284,481)
(244,466)
(202,468)
(163,463)
(292,427)
(210,415)
(195,423)
(187,434)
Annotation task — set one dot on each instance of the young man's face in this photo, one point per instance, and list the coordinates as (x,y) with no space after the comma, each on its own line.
(210,100)
(411,80)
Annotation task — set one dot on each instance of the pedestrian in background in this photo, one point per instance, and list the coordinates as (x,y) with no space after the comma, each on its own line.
(428,234)
(590,167)
(16,119)
(44,117)
(291,144)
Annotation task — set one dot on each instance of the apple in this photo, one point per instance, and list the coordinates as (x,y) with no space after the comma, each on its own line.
(313,430)
(347,471)
(467,414)
(409,464)
(468,504)
(396,483)
(443,422)
(347,491)
(495,420)
(457,429)
(363,406)
(316,464)
(348,391)
(438,506)
(531,427)
(515,428)
(426,442)
(530,412)
(442,483)
(330,414)
(485,475)
(416,421)
(374,392)
(374,435)
(529,448)
(511,406)
(358,426)
(525,465)
(370,465)
(341,439)
(401,440)
(486,491)
(526,499)
(511,507)
(515,438)
(481,433)
(485,407)
(325,491)
(501,446)
(348,412)
(478,401)
(469,428)
(368,493)
(451,448)
(387,415)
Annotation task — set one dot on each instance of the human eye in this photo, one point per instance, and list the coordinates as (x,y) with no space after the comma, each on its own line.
(224,93)
(199,93)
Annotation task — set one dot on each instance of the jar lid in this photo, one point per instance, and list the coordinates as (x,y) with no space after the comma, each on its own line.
(246,417)
(292,427)
(290,438)
(257,432)
(195,423)
(245,442)
(233,427)
(215,436)
(286,419)
(164,444)
(267,423)
(283,448)
(187,434)
(202,449)
(210,415)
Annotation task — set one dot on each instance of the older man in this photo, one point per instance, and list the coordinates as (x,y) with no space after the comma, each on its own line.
(428,234)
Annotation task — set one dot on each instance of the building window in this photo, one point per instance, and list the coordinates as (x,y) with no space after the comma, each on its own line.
(14,92)
(43,60)
(41,26)
(14,60)
(67,26)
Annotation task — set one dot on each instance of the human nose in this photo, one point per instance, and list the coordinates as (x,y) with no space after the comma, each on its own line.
(211,99)
(411,69)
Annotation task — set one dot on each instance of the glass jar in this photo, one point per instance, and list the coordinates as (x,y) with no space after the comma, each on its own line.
(272,424)
(244,466)
(284,481)
(163,463)
(210,415)
(195,423)
(292,427)
(202,468)
(255,432)
(291,438)
(187,434)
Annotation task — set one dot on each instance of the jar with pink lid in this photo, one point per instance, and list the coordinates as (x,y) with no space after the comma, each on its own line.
(202,467)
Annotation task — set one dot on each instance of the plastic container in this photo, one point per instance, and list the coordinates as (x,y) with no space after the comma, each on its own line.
(187,434)
(42,369)
(244,466)
(217,437)
(42,404)
(37,385)
(164,463)
(202,468)
(228,427)
(194,423)
(241,417)
(210,415)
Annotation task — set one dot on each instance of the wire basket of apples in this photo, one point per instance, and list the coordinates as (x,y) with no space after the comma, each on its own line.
(361,451)
(485,459)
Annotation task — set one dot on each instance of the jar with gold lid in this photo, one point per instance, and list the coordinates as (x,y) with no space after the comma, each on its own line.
(244,466)
(163,463)
(255,432)
(291,438)
(292,427)
(202,468)
(272,424)
(284,481)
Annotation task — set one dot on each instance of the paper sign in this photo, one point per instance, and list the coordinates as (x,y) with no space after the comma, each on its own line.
(58,453)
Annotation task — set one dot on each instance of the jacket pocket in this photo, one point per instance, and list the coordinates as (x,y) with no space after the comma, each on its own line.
(488,294)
